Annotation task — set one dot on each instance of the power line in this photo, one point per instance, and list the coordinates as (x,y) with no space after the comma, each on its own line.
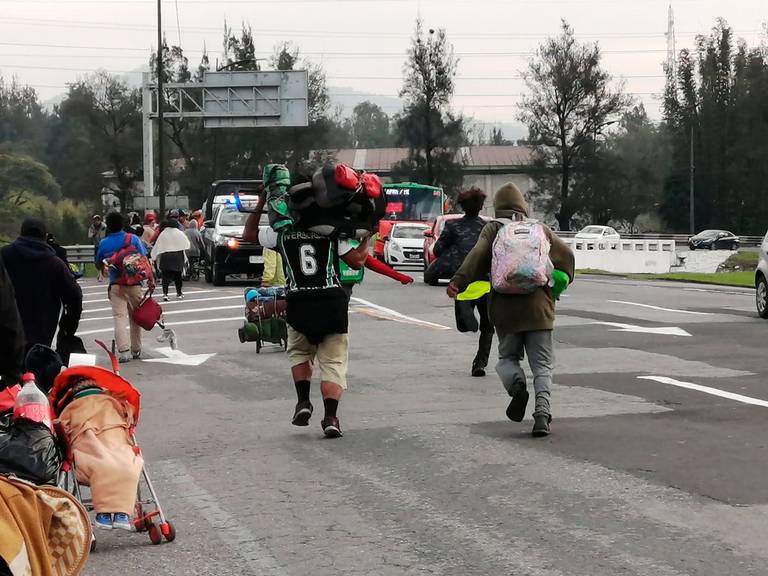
(367,34)
(330,77)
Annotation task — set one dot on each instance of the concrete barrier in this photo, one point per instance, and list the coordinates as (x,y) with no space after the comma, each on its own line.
(624,256)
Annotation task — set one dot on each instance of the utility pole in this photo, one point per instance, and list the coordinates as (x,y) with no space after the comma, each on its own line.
(160,171)
(692,187)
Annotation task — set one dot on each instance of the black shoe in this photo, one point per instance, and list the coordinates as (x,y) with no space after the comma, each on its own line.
(478,371)
(541,425)
(331,427)
(516,408)
(303,414)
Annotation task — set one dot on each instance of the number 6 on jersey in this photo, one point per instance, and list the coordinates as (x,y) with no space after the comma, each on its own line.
(307,259)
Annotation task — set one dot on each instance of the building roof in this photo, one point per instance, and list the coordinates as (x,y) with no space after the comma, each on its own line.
(490,157)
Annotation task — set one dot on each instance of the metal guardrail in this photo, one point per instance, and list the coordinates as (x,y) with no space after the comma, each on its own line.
(680,239)
(80,253)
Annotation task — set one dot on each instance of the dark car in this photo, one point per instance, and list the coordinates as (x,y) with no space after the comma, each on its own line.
(714,240)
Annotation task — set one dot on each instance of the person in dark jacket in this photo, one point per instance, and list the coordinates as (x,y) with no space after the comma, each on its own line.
(44,285)
(11,333)
(60,251)
(456,241)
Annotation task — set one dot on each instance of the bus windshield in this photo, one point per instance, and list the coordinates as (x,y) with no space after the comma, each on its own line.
(415,204)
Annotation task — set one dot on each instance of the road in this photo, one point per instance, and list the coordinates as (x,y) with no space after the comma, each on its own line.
(641,476)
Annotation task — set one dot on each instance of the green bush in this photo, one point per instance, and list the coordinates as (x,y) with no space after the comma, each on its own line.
(67,220)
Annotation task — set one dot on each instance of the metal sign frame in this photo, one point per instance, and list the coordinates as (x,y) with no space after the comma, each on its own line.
(228,99)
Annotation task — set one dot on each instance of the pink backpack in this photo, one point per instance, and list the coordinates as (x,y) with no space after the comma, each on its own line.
(520,263)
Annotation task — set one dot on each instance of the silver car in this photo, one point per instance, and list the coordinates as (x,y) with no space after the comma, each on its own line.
(761,280)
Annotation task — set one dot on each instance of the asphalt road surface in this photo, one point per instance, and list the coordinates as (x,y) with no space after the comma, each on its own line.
(657,464)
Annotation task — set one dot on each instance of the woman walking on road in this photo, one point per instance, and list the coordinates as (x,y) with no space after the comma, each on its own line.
(457,239)
(169,252)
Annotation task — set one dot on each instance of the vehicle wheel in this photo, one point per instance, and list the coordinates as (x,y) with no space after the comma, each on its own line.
(154,535)
(692,247)
(761,297)
(170,532)
(218,277)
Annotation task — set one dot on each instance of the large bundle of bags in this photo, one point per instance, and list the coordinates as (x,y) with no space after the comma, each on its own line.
(338,201)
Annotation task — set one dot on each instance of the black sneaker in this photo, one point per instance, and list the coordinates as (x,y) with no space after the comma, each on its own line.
(303,414)
(331,427)
(478,371)
(541,425)
(516,408)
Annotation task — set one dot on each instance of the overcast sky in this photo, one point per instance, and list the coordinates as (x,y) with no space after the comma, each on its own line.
(47,43)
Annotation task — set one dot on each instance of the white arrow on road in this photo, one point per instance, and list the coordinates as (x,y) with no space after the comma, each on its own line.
(663,330)
(180,358)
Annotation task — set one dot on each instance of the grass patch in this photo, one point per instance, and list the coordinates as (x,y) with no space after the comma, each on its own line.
(742,260)
(743,279)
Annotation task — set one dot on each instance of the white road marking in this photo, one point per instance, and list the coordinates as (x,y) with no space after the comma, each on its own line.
(190,311)
(190,292)
(180,358)
(663,330)
(660,308)
(184,323)
(707,390)
(170,302)
(397,316)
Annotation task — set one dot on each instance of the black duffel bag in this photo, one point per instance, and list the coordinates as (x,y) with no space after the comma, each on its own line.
(29,451)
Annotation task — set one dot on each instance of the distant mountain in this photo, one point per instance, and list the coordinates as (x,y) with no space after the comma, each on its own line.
(347,98)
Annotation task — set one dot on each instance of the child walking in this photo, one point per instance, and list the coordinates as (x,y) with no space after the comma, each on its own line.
(523,322)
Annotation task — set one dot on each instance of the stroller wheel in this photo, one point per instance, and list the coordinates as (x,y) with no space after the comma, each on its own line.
(154,534)
(168,531)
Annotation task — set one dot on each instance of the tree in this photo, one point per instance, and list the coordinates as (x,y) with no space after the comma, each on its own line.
(568,106)
(21,174)
(715,106)
(23,123)
(100,120)
(370,126)
(432,134)
(623,176)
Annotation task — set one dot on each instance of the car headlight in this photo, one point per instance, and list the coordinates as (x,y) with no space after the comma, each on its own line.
(229,241)
(395,246)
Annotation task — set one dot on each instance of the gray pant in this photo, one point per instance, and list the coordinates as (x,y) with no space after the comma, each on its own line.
(541,358)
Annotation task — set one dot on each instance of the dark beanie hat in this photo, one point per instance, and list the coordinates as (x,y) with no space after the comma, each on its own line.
(33,227)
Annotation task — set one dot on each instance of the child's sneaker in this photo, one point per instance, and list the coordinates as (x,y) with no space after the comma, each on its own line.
(165,298)
(104,521)
(179,296)
(122,522)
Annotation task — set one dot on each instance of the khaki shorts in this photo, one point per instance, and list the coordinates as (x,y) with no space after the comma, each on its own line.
(332,355)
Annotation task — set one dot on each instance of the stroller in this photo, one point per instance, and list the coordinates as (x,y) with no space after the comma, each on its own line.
(148,514)
(264,317)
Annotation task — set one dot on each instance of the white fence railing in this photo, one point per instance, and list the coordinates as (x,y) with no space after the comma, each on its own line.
(624,256)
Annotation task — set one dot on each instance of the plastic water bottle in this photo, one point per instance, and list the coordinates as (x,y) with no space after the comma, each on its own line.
(32,404)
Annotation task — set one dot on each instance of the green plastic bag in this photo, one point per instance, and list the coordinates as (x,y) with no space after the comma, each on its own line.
(560,282)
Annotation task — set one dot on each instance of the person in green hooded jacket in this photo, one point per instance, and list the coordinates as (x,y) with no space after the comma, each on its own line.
(524,322)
